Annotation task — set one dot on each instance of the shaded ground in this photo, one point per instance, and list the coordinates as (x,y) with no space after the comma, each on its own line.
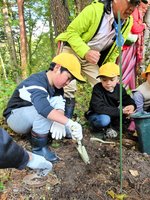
(71,179)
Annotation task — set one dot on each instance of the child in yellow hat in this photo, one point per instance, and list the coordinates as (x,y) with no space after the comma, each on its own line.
(104,110)
(37,105)
(142,93)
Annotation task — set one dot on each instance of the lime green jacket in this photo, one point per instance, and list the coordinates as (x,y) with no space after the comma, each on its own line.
(82,29)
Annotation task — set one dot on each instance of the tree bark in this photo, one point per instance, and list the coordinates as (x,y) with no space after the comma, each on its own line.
(9,36)
(51,32)
(23,38)
(60,15)
(80,4)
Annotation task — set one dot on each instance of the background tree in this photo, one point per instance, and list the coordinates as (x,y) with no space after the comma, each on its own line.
(23,38)
(60,15)
(80,4)
(9,35)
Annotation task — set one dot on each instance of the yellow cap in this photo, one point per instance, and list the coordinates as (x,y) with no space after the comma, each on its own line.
(109,69)
(147,71)
(71,63)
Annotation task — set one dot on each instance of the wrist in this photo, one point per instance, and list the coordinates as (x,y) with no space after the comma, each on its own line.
(30,155)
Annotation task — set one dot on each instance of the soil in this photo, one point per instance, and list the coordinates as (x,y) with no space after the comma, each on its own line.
(72,179)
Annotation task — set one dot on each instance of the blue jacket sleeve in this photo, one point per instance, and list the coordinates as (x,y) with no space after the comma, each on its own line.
(11,154)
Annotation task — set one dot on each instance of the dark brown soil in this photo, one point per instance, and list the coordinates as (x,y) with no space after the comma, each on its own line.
(72,179)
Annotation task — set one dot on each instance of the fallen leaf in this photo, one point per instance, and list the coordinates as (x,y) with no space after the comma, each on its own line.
(3,196)
(134,172)
(120,196)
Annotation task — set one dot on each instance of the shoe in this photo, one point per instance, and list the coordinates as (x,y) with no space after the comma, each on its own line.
(111,133)
(99,133)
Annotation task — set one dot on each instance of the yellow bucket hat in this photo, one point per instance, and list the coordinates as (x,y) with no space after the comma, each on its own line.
(71,63)
(147,71)
(109,69)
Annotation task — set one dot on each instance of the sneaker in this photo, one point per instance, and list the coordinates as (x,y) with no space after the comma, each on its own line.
(111,133)
(99,133)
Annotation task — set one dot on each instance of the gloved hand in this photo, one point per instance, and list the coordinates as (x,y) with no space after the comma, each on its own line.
(58,102)
(58,130)
(75,129)
(39,163)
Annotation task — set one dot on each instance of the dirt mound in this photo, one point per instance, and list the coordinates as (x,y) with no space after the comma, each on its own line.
(73,180)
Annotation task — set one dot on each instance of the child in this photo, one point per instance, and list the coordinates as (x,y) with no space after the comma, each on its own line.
(104,108)
(37,105)
(142,93)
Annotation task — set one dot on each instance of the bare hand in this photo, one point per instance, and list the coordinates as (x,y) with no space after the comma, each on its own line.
(92,56)
(128,110)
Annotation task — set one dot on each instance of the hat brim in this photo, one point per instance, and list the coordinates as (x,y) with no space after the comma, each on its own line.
(106,76)
(80,80)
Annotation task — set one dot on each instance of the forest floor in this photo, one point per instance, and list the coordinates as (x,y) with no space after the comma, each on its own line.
(72,179)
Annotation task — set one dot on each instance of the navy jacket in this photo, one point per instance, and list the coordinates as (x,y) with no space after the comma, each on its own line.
(35,90)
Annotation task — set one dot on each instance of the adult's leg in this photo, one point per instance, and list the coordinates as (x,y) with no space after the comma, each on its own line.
(87,69)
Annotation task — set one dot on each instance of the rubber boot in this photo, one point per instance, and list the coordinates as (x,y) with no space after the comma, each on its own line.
(39,146)
(69,107)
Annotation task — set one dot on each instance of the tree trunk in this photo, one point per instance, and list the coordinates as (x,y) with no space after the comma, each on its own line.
(60,15)
(8,32)
(146,59)
(23,38)
(80,4)
(3,67)
(51,32)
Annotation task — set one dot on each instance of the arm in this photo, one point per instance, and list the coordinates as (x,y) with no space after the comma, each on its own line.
(139,100)
(83,28)
(14,156)
(99,103)
(138,25)
(11,154)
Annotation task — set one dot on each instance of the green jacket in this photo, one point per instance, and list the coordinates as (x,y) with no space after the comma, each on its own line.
(82,29)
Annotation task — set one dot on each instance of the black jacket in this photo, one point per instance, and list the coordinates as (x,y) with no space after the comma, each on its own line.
(105,102)
(11,154)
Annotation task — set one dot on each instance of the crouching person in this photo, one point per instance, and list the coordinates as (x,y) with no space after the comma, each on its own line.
(37,105)
(14,156)
(104,111)
(142,93)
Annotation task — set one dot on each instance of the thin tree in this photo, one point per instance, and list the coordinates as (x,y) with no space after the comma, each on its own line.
(60,15)
(23,38)
(51,32)
(80,4)
(9,35)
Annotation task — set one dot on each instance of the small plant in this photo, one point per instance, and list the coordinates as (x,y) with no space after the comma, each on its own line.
(7,88)
(2,187)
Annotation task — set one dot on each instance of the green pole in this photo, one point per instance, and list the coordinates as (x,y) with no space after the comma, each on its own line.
(120,65)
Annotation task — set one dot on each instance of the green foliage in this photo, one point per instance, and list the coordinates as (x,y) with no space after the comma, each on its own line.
(2,187)
(83,96)
(7,88)
(42,55)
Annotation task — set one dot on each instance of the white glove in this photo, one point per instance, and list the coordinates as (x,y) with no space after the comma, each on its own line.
(75,129)
(58,102)
(39,163)
(58,130)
